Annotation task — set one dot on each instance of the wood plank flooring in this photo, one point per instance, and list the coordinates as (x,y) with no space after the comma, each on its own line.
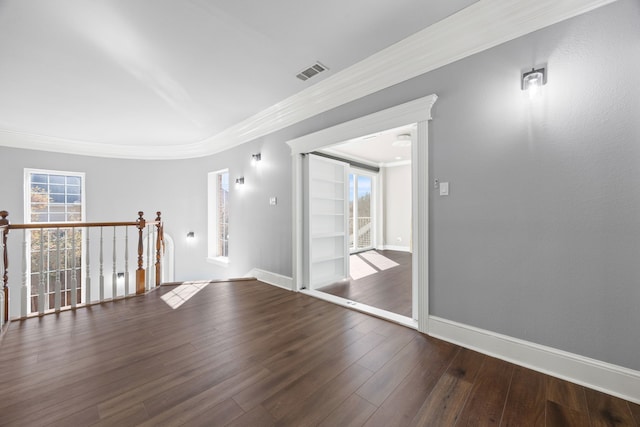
(249,354)
(388,289)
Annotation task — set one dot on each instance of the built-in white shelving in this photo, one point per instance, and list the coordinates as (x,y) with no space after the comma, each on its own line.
(326,233)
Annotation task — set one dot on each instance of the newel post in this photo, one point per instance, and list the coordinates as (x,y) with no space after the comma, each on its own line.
(140,276)
(5,264)
(159,243)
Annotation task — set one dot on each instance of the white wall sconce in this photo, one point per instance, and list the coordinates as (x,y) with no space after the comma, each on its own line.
(533,80)
(255,158)
(240,181)
(191,235)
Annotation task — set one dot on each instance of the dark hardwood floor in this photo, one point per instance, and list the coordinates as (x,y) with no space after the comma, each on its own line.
(249,354)
(388,289)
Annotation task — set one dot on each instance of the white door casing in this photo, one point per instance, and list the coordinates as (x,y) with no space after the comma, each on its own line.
(416,111)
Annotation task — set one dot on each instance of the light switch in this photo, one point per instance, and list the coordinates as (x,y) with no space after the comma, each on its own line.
(444,188)
(273,201)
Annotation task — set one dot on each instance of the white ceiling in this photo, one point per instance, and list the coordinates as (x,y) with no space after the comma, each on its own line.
(161,72)
(379,149)
(186,78)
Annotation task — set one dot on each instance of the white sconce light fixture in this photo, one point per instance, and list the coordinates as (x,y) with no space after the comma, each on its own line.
(255,158)
(240,181)
(533,80)
(191,235)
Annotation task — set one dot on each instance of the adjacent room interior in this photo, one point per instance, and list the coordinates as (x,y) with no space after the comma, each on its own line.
(378,221)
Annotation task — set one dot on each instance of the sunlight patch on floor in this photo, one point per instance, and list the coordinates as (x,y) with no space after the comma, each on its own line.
(380,261)
(182,293)
(358,268)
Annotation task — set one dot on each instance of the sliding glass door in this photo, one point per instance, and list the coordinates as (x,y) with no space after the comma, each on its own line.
(361,212)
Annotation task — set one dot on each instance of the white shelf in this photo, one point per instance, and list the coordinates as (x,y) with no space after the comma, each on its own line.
(326,259)
(326,253)
(328,198)
(328,235)
(329,181)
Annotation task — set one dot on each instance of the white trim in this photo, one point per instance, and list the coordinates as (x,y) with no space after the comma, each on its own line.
(608,378)
(395,164)
(458,36)
(420,224)
(270,278)
(417,111)
(396,248)
(221,261)
(364,308)
(212,217)
(399,115)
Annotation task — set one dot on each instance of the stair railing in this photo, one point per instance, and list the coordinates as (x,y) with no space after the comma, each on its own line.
(57,264)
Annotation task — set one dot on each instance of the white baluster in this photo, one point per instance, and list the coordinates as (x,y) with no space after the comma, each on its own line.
(126,261)
(24,297)
(114,275)
(87,291)
(58,288)
(152,256)
(74,276)
(101,266)
(148,275)
(41,284)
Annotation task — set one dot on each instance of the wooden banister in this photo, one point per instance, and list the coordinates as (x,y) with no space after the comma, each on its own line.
(140,273)
(4,229)
(54,228)
(159,244)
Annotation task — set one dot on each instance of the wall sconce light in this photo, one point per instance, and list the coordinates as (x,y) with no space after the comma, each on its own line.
(255,158)
(533,80)
(240,181)
(191,235)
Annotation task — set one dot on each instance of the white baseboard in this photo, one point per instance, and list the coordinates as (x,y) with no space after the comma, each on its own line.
(396,248)
(608,378)
(374,311)
(274,279)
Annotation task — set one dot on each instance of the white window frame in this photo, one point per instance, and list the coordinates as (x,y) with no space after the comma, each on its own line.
(374,206)
(213,218)
(27,190)
(27,220)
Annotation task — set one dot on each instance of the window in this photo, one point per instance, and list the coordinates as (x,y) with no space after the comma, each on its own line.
(55,254)
(361,212)
(219,216)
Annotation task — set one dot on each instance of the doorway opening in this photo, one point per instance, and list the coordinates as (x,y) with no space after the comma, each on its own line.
(378,269)
(417,112)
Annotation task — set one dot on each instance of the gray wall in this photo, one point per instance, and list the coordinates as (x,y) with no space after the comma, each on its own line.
(539,238)
(117,189)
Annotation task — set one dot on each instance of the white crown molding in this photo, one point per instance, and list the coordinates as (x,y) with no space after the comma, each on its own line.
(484,24)
(606,377)
(396,164)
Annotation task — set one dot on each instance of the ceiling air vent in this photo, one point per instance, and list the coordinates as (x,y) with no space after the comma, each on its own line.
(311,71)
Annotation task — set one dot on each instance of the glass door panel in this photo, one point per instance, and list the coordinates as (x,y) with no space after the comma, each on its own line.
(360,212)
